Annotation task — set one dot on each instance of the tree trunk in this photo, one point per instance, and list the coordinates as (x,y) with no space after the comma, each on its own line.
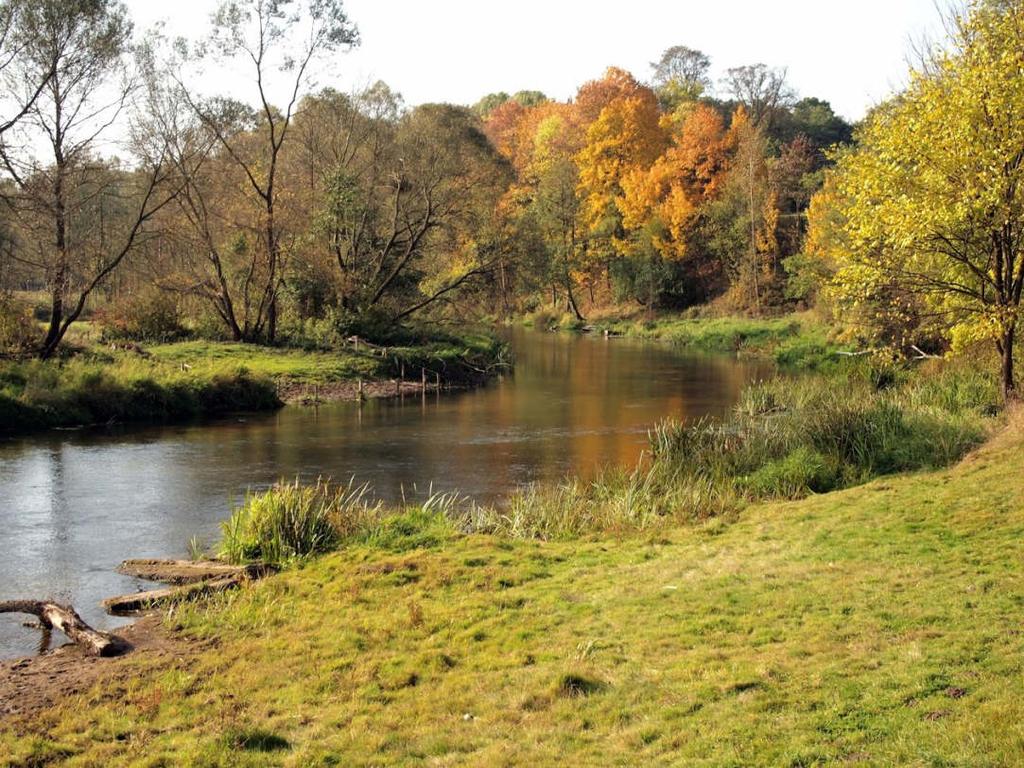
(572,299)
(506,308)
(272,319)
(180,572)
(1006,351)
(53,334)
(140,602)
(58,277)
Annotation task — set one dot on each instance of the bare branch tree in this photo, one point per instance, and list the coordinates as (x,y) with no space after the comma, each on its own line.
(286,37)
(77,48)
(761,89)
(19,95)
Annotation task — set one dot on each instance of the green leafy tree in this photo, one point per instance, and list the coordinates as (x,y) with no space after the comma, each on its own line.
(816,120)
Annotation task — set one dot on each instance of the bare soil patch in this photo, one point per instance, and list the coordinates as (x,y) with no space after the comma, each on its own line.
(29,686)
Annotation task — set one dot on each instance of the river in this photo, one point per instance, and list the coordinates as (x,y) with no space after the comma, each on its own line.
(75,504)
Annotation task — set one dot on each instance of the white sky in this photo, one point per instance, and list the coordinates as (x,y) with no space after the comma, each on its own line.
(851,53)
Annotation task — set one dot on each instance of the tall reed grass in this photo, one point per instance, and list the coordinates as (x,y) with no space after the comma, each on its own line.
(291,521)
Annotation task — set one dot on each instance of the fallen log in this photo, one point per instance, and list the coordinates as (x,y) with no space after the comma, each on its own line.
(190,571)
(140,602)
(922,355)
(63,617)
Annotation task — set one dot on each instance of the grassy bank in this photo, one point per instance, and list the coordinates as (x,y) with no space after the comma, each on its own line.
(797,341)
(875,626)
(458,359)
(195,379)
(101,389)
(794,341)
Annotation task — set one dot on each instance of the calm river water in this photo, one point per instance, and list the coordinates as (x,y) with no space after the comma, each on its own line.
(75,504)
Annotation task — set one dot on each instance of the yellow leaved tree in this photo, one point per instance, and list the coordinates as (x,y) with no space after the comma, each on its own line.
(930,205)
(625,136)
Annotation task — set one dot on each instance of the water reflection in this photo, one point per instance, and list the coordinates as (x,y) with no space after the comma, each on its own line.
(73,505)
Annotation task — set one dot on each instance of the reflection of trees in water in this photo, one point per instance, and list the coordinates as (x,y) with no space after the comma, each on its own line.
(574,403)
(591,399)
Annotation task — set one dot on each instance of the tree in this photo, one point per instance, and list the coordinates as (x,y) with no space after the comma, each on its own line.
(594,95)
(814,119)
(504,128)
(489,103)
(77,48)
(346,153)
(16,25)
(761,89)
(932,200)
(681,75)
(662,204)
(556,204)
(493,101)
(793,178)
(286,37)
(411,228)
(529,98)
(626,135)
(742,222)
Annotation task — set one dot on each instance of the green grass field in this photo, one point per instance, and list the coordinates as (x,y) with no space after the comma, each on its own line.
(875,626)
(274,362)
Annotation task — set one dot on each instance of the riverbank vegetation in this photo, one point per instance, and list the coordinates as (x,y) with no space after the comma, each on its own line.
(877,625)
(785,439)
(188,380)
(102,389)
(795,341)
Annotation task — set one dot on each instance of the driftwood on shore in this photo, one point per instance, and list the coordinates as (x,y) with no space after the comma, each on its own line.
(190,580)
(140,602)
(63,617)
(189,571)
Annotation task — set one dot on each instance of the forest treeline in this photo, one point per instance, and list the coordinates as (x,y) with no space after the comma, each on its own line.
(248,217)
(288,210)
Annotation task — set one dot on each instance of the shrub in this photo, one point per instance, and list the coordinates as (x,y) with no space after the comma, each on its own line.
(288,522)
(147,315)
(18,331)
(802,471)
